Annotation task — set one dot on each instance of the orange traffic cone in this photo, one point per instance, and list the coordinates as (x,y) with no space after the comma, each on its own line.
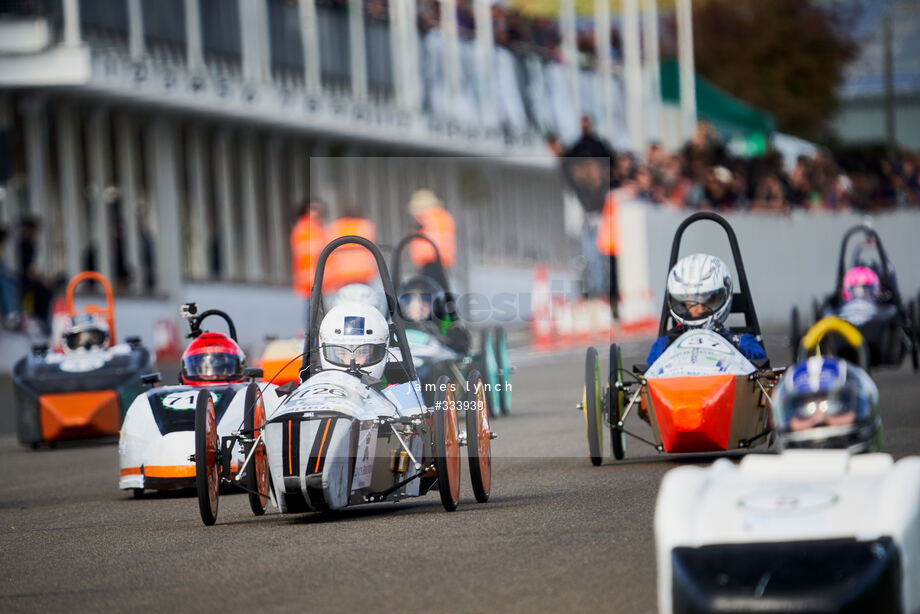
(541,322)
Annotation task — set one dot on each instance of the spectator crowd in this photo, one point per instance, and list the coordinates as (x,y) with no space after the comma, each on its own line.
(705,175)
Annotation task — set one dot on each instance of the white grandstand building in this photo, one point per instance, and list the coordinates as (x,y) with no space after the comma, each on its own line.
(208,116)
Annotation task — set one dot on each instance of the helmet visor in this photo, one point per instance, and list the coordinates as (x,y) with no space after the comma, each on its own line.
(86,339)
(364,355)
(840,408)
(696,305)
(211,367)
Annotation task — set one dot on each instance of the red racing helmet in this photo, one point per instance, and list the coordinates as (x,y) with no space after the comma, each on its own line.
(210,359)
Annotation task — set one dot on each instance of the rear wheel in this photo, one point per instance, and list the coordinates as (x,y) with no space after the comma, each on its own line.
(207,475)
(504,369)
(490,371)
(446,444)
(478,438)
(591,406)
(615,402)
(137,493)
(257,470)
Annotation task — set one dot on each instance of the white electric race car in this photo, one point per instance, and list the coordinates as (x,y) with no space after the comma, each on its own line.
(343,437)
(157,443)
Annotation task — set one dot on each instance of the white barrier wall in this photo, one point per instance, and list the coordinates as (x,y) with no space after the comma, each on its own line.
(789,259)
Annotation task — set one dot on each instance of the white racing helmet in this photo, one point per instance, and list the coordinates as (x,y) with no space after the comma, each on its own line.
(354,335)
(85,332)
(699,291)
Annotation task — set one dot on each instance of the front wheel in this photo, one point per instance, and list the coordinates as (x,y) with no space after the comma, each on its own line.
(207,474)
(446,444)
(257,470)
(489,371)
(478,438)
(616,400)
(795,332)
(591,406)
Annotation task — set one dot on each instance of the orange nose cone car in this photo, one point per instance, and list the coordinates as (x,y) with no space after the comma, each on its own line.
(694,414)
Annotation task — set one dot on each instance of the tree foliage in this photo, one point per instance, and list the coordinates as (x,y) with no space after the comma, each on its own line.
(785,56)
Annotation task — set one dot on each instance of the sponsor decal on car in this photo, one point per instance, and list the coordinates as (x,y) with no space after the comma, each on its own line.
(364,460)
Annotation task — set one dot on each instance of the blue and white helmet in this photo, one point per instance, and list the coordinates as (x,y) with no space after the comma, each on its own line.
(827,403)
(699,280)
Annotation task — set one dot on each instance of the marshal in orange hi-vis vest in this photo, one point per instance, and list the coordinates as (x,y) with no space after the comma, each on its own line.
(349,264)
(608,230)
(438,225)
(307,241)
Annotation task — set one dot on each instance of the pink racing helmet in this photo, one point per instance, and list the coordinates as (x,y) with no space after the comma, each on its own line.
(860,282)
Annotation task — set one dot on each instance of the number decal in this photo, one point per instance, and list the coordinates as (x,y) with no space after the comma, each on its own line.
(183,401)
(324,390)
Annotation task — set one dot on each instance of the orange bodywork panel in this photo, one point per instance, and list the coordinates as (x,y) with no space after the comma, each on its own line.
(169,471)
(72,415)
(694,414)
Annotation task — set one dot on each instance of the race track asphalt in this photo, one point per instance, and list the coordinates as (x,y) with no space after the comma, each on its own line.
(558,535)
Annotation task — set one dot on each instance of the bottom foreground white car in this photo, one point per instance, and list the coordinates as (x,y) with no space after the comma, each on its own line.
(803,531)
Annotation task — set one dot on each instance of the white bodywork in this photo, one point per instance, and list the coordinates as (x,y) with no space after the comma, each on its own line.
(700,351)
(799,495)
(82,361)
(346,403)
(142,445)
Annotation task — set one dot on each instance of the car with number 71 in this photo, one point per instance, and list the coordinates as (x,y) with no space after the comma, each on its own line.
(157,442)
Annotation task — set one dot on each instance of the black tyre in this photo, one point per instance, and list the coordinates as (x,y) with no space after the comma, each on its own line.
(591,406)
(913,312)
(795,333)
(257,469)
(616,402)
(446,444)
(489,370)
(137,493)
(478,437)
(207,473)
(504,369)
